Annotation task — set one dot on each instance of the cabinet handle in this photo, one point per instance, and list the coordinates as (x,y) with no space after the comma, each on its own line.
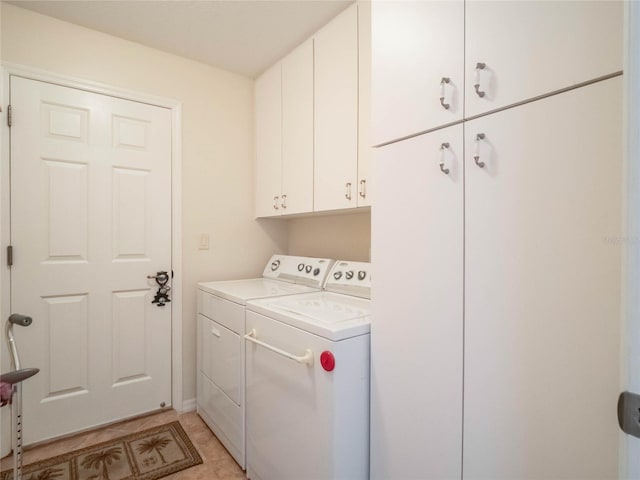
(443,148)
(284,201)
(476,154)
(479,66)
(347,193)
(215,332)
(363,188)
(445,81)
(275,202)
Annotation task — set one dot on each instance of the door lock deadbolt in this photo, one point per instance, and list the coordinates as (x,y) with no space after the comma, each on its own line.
(162,295)
(629,413)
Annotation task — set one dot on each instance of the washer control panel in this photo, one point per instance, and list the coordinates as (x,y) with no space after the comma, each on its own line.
(350,278)
(304,270)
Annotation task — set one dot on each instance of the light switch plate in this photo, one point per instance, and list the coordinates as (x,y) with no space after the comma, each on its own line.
(629,413)
(204,241)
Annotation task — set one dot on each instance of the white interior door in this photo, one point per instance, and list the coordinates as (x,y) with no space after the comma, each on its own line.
(90,219)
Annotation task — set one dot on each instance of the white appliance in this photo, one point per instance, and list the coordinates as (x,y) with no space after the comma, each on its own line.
(221,348)
(307,366)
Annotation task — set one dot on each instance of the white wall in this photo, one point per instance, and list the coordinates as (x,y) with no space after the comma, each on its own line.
(217,176)
(344,237)
(217,144)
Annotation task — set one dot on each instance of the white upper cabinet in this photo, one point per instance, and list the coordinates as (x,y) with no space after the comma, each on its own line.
(268,111)
(313,122)
(528,48)
(297,130)
(284,135)
(417,66)
(364,105)
(436,63)
(336,113)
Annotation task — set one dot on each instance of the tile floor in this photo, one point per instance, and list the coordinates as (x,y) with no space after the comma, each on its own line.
(217,462)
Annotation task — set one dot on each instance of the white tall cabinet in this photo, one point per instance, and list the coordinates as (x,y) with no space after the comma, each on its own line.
(417,234)
(495,330)
(542,288)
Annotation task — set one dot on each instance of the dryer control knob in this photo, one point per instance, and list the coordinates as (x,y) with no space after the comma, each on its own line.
(316,272)
(327,360)
(308,268)
(300,267)
(349,275)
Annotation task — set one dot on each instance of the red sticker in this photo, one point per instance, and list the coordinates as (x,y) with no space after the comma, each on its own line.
(327,360)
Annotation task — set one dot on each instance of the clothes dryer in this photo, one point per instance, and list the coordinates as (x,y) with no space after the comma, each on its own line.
(307,385)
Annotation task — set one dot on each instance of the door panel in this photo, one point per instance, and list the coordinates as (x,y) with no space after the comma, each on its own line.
(416,334)
(297,130)
(530,48)
(542,288)
(336,113)
(268,104)
(365,174)
(90,219)
(415,46)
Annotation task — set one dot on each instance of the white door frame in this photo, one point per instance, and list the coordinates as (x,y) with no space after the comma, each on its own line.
(630,461)
(8,69)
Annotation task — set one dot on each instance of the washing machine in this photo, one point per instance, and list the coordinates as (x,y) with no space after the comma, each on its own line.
(221,348)
(307,381)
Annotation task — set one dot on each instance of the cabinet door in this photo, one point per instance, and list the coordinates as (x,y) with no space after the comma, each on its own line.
(543,287)
(415,45)
(364,105)
(416,328)
(336,113)
(530,48)
(268,111)
(297,130)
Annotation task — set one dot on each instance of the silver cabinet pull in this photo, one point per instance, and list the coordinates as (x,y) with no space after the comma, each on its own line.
(445,81)
(363,188)
(476,154)
(306,359)
(284,201)
(347,193)
(479,66)
(215,332)
(443,148)
(275,202)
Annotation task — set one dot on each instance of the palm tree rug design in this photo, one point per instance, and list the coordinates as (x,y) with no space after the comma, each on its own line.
(145,455)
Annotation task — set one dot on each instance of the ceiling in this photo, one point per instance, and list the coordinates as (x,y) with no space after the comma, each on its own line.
(241,36)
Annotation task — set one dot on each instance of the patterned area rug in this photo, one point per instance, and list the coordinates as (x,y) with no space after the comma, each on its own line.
(146,455)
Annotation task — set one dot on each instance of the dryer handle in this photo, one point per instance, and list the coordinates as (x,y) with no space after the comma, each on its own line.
(307,358)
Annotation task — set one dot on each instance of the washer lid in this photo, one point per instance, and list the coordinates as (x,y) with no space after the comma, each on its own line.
(329,315)
(240,291)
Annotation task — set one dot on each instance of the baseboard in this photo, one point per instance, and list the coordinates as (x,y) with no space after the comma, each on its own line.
(188,405)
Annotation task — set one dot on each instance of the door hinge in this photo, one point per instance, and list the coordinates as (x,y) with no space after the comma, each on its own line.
(9,255)
(9,115)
